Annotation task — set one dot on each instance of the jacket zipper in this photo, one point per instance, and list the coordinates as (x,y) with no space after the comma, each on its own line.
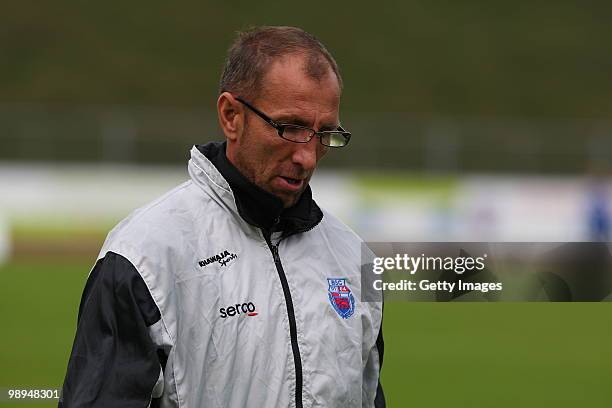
(297,360)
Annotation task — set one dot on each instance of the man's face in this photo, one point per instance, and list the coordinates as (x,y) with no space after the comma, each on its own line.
(288,95)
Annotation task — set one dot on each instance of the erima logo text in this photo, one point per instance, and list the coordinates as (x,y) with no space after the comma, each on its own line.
(222,257)
(233,310)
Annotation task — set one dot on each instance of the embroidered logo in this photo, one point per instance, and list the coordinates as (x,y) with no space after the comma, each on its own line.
(223,258)
(341,297)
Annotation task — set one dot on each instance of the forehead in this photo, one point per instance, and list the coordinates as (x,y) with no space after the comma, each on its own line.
(286,86)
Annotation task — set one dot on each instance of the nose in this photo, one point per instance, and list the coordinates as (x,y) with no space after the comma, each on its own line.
(306,155)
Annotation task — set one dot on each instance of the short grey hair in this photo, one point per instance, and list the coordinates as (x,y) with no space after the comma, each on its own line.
(251,54)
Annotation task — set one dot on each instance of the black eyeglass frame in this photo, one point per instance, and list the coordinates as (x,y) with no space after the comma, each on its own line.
(280,127)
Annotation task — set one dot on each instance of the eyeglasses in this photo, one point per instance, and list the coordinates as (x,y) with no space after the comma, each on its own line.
(303,134)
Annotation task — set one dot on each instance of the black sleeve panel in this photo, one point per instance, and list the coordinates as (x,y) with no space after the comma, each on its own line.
(379,401)
(113,362)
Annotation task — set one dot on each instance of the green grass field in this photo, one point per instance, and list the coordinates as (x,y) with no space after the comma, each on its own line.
(436,355)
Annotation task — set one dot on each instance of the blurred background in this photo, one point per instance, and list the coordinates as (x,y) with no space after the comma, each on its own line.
(471,121)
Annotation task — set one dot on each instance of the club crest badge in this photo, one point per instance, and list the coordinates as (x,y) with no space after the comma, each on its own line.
(341,297)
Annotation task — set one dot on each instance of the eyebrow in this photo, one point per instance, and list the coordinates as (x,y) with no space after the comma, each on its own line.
(293,120)
(329,127)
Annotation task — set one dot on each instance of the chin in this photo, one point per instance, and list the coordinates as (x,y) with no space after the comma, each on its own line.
(289,201)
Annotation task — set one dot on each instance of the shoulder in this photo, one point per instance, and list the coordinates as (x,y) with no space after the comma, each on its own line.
(156,224)
(330,224)
(338,236)
(167,204)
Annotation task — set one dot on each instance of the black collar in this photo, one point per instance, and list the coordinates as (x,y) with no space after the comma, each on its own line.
(258,207)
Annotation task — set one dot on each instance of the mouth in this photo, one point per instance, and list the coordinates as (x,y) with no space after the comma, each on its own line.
(291,184)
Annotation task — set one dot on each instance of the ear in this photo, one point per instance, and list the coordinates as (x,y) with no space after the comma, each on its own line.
(231,116)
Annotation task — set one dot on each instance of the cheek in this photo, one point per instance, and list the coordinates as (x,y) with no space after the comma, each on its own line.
(267,157)
(321,151)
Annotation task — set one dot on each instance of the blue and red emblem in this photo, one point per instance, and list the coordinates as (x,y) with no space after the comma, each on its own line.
(341,297)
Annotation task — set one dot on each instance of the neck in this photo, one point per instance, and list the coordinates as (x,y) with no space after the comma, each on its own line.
(259,207)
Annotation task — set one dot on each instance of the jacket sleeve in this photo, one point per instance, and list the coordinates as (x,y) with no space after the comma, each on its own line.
(379,401)
(372,388)
(114,362)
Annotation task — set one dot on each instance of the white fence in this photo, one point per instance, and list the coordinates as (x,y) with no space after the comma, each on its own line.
(379,206)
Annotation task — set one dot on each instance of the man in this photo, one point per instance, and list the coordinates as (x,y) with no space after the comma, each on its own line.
(235,289)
